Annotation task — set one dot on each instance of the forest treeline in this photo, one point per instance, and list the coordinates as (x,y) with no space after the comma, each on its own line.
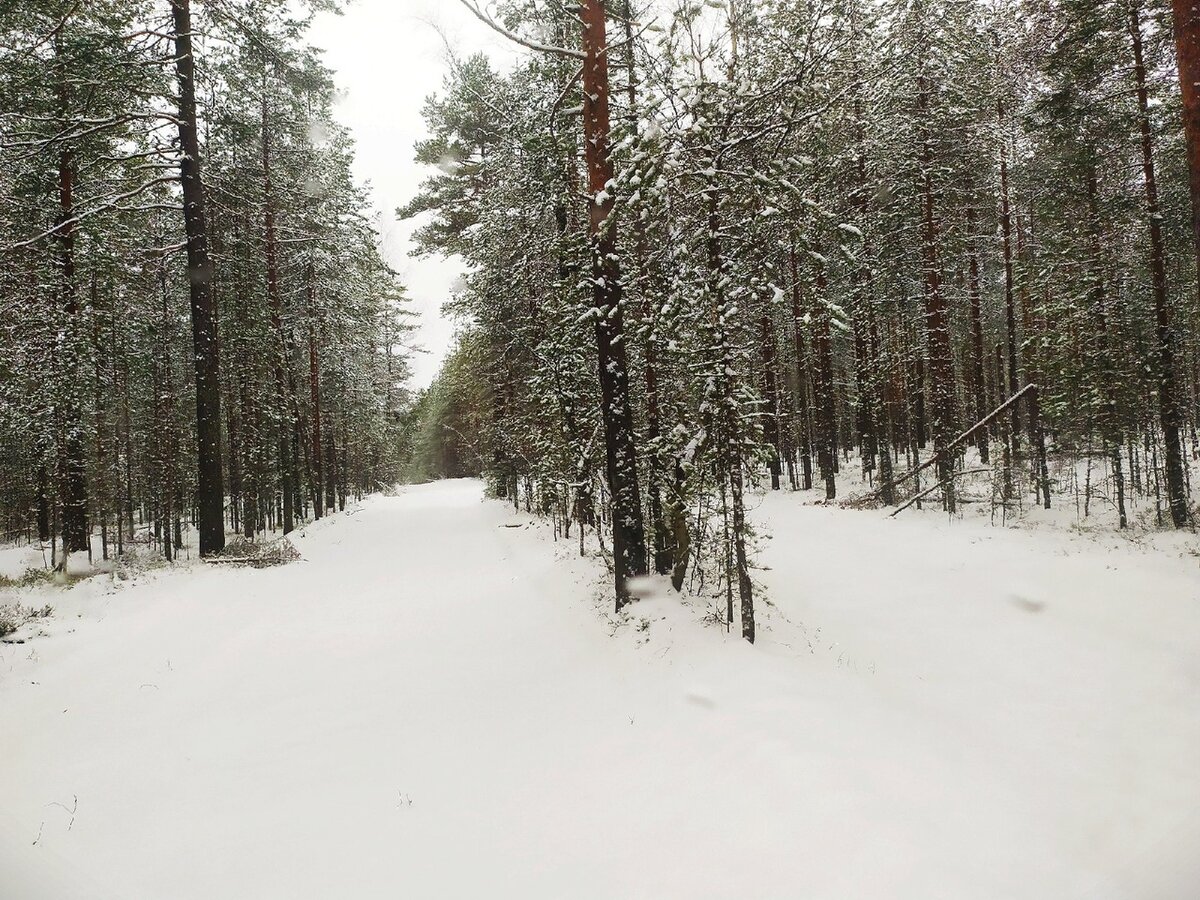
(196,325)
(812,243)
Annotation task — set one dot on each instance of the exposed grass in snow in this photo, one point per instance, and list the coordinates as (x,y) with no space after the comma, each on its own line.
(14,615)
(258,554)
(30,578)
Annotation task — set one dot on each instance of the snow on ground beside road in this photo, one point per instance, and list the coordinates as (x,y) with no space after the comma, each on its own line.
(433,705)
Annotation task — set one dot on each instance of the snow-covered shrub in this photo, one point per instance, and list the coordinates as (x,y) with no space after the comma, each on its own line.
(14,615)
(258,554)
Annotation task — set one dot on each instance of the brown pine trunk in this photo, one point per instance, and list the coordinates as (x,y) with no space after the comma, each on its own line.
(1187,52)
(314,393)
(1033,409)
(1111,424)
(864,312)
(823,388)
(1168,406)
(804,411)
(280,352)
(252,519)
(43,502)
(629,536)
(1002,426)
(210,488)
(977,358)
(771,398)
(1010,308)
(341,475)
(883,414)
(331,467)
(163,421)
(937,324)
(72,452)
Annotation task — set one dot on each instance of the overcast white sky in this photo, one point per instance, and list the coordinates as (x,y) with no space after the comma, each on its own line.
(388,57)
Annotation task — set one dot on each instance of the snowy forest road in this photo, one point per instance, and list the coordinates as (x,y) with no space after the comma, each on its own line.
(433,705)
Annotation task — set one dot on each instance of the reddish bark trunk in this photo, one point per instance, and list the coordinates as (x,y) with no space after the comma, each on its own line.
(629,536)
(1168,406)
(1187,52)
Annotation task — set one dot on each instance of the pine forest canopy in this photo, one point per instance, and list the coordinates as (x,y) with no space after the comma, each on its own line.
(710,246)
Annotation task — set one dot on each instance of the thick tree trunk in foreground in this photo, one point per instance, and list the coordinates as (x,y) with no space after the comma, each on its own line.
(1187,52)
(629,536)
(211,488)
(1168,405)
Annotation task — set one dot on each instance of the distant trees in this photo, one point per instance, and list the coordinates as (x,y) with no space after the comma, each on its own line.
(139,280)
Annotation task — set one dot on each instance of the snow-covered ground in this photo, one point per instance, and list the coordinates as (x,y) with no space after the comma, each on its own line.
(435,705)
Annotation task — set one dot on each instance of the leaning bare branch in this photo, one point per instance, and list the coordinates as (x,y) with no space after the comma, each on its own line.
(482,16)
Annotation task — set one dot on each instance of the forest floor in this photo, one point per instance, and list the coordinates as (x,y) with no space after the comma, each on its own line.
(438,702)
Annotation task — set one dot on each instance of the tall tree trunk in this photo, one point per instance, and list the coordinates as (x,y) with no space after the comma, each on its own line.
(282,395)
(804,411)
(977,357)
(1110,418)
(864,307)
(1010,307)
(726,419)
(655,477)
(72,448)
(43,500)
(1187,53)
(771,398)
(314,394)
(210,482)
(331,464)
(937,325)
(883,412)
(1033,409)
(1168,406)
(165,418)
(629,534)
(823,388)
